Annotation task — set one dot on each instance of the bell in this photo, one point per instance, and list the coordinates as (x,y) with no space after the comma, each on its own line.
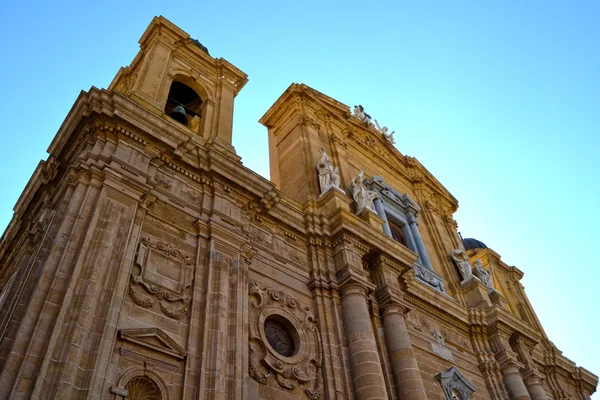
(178,114)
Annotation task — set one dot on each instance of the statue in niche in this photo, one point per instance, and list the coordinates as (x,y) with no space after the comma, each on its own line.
(462,262)
(362,196)
(329,177)
(483,274)
(384,131)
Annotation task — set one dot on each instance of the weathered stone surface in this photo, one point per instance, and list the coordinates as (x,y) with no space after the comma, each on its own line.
(145,261)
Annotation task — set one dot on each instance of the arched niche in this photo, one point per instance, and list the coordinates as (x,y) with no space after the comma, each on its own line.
(140,384)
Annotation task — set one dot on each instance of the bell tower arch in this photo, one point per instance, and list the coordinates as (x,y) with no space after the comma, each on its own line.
(174,76)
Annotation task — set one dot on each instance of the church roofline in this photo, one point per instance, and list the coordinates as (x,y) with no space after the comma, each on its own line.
(227,69)
(342,111)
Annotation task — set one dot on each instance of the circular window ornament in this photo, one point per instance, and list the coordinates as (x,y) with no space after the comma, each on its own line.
(281,336)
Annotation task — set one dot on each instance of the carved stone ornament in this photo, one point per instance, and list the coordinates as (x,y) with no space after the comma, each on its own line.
(142,388)
(429,277)
(439,346)
(384,131)
(329,176)
(359,112)
(362,196)
(455,385)
(462,262)
(483,274)
(157,260)
(284,342)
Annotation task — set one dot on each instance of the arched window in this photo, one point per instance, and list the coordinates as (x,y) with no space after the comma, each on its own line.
(184,105)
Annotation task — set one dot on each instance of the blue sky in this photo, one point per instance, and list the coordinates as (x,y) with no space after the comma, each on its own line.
(500,100)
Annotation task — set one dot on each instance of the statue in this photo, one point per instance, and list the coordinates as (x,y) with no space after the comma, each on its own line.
(362,196)
(483,274)
(384,132)
(328,175)
(335,178)
(359,112)
(462,262)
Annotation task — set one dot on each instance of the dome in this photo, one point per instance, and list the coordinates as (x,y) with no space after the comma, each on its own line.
(470,244)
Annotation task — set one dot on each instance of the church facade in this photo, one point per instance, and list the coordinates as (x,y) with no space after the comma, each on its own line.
(144,261)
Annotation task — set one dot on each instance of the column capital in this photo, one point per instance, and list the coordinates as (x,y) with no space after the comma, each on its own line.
(351,281)
(390,302)
(532,375)
(411,218)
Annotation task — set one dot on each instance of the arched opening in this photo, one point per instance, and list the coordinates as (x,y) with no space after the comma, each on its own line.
(142,388)
(184,105)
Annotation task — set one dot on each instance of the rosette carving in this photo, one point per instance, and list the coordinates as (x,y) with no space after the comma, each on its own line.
(279,321)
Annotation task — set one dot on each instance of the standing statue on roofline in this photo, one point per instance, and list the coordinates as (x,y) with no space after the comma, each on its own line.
(359,112)
(384,131)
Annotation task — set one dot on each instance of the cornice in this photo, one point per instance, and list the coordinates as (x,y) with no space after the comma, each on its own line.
(508,323)
(433,303)
(324,113)
(179,39)
(343,222)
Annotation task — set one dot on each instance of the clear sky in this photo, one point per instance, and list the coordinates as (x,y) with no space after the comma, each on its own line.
(500,100)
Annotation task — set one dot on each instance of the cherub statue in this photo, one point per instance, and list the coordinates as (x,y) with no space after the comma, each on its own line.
(363,196)
(359,112)
(384,132)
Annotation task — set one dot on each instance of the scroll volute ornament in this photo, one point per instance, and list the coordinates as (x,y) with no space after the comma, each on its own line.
(301,365)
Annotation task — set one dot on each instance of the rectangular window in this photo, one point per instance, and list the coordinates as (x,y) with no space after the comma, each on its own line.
(397,233)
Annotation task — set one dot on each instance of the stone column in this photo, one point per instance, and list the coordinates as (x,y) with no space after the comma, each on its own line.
(534,387)
(410,240)
(405,370)
(531,376)
(412,223)
(381,212)
(509,365)
(514,383)
(367,374)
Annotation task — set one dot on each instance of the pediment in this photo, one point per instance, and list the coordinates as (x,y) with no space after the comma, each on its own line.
(154,339)
(454,383)
(387,151)
(325,113)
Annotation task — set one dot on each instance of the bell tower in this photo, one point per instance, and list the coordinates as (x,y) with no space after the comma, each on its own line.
(175,77)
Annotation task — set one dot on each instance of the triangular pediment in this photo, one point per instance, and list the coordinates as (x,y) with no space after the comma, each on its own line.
(328,114)
(154,339)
